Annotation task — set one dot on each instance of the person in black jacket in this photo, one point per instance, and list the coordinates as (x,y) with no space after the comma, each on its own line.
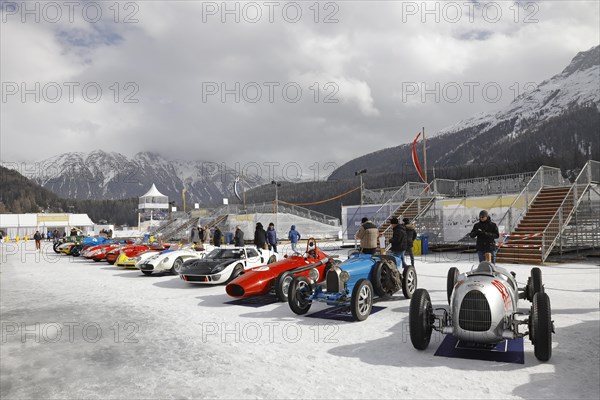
(260,237)
(398,240)
(238,238)
(411,235)
(217,236)
(486,232)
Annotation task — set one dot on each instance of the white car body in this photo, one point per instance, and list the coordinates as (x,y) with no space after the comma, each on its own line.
(164,261)
(214,270)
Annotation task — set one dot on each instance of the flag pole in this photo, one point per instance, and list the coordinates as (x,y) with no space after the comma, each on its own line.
(425,155)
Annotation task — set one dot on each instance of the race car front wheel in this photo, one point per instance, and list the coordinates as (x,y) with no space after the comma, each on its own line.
(541,323)
(361,302)
(420,319)
(409,282)
(300,290)
(282,285)
(451,281)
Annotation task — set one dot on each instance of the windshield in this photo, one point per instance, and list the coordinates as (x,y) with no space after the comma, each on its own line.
(225,253)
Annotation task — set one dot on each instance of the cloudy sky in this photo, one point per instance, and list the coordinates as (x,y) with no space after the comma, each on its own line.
(268,81)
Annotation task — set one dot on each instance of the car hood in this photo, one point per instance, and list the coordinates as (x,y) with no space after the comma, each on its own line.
(203,267)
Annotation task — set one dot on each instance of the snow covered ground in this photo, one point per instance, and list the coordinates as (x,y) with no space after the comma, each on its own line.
(78,329)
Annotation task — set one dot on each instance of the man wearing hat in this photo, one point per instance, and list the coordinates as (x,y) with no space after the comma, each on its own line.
(367,234)
(486,233)
(398,240)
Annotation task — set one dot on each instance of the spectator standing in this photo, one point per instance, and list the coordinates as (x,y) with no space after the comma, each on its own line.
(367,234)
(294,237)
(411,235)
(272,237)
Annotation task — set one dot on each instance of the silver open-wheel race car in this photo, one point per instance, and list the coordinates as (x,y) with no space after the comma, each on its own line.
(483,309)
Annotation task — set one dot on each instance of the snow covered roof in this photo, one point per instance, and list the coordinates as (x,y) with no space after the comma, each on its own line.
(153,192)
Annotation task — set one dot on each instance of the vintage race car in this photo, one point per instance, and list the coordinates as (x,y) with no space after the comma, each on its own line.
(130,255)
(98,253)
(171,260)
(275,278)
(354,283)
(483,310)
(66,239)
(224,264)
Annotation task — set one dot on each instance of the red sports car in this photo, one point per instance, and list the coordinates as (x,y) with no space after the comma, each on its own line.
(277,277)
(98,253)
(123,257)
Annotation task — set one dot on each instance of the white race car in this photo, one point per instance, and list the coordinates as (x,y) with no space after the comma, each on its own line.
(170,260)
(225,264)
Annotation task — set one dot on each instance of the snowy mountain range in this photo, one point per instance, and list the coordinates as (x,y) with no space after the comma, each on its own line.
(111,175)
(555,124)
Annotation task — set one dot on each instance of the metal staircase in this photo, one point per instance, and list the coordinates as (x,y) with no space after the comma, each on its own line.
(541,225)
(411,209)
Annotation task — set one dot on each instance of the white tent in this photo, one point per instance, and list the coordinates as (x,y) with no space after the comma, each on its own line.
(153,200)
(13,225)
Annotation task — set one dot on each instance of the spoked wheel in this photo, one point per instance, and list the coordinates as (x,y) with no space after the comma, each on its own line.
(300,290)
(420,319)
(541,327)
(451,281)
(282,285)
(409,282)
(76,251)
(361,302)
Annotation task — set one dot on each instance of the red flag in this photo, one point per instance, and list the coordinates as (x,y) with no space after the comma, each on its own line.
(415,158)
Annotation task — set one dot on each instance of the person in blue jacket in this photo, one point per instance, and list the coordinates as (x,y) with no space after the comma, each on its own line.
(294,237)
(272,237)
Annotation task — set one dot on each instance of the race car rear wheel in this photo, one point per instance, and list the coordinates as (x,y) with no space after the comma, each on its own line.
(409,282)
(541,316)
(300,289)
(147,273)
(176,266)
(361,302)
(55,247)
(535,283)
(272,259)
(282,285)
(451,281)
(76,251)
(420,319)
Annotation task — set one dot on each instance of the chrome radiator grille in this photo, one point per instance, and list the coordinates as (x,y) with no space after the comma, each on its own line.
(475,314)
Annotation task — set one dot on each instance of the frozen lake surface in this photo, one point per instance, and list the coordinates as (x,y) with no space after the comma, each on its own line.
(78,329)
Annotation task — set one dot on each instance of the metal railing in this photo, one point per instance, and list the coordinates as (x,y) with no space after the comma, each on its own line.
(483,186)
(422,202)
(569,205)
(543,177)
(378,196)
(407,191)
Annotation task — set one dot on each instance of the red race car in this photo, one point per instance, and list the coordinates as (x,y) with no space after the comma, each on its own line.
(276,278)
(125,256)
(98,253)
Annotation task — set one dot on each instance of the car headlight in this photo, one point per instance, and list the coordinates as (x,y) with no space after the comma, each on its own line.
(345,276)
(313,274)
(219,268)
